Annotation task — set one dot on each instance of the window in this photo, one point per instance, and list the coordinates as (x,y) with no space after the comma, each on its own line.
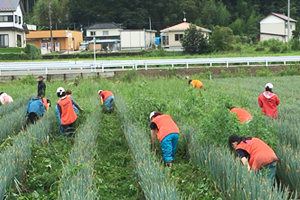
(3,40)
(6,18)
(178,37)
(93,33)
(16,18)
(105,32)
(20,20)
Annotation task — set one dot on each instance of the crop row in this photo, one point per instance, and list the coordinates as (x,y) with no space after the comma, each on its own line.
(11,107)
(77,179)
(14,160)
(152,176)
(12,123)
(232,178)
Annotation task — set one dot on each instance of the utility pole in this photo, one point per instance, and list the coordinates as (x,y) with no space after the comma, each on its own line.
(288,20)
(150,23)
(50,21)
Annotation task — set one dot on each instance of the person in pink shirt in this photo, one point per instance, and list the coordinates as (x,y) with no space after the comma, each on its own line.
(269,101)
(5,98)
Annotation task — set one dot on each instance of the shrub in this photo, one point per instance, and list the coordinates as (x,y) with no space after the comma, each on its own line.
(221,38)
(14,56)
(194,41)
(264,72)
(32,51)
(295,44)
(226,74)
(171,72)
(28,79)
(241,72)
(130,75)
(259,48)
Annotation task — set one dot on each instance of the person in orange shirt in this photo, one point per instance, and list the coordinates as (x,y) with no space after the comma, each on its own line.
(107,97)
(243,115)
(65,112)
(255,153)
(166,130)
(196,83)
(269,101)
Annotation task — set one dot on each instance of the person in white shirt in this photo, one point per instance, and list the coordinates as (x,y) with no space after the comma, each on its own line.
(5,98)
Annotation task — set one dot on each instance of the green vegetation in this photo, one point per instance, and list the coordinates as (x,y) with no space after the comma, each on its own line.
(111,158)
(11,50)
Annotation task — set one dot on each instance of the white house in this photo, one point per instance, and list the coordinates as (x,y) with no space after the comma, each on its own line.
(12,30)
(170,37)
(275,26)
(137,39)
(107,34)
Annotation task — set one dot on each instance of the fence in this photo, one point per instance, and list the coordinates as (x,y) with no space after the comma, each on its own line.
(115,65)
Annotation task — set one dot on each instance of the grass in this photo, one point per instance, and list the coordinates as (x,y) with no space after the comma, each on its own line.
(12,50)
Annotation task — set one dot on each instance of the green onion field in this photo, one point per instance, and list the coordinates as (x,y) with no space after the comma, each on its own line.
(111,157)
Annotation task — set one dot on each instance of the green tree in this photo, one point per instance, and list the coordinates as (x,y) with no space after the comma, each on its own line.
(214,13)
(221,38)
(238,26)
(59,13)
(194,41)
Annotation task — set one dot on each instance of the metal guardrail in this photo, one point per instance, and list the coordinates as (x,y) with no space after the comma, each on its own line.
(115,65)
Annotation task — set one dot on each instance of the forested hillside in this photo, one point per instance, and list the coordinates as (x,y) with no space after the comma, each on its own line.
(240,15)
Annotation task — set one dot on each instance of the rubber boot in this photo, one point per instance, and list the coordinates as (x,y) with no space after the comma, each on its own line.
(169,164)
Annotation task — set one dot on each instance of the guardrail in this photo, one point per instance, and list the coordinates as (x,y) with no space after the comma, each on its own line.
(115,65)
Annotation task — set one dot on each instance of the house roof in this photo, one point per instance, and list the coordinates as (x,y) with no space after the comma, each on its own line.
(104,25)
(183,26)
(9,5)
(281,16)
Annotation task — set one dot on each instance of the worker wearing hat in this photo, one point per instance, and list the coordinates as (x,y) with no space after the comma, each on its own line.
(36,108)
(196,83)
(5,98)
(107,97)
(254,153)
(65,112)
(269,101)
(166,130)
(41,87)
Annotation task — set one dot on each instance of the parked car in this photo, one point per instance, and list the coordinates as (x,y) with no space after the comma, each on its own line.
(83,46)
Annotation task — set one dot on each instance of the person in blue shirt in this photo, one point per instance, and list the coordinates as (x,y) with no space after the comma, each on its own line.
(35,109)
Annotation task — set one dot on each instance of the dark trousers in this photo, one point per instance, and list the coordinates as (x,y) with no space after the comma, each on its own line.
(33,117)
(69,129)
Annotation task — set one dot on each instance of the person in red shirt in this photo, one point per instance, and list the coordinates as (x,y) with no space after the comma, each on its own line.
(269,101)
(107,97)
(243,115)
(166,130)
(255,153)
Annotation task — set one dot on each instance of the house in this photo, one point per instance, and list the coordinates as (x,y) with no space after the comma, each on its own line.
(12,28)
(62,40)
(170,37)
(275,26)
(137,39)
(107,33)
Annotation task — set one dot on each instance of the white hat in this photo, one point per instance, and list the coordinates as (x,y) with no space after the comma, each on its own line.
(151,114)
(270,85)
(60,90)
(99,91)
